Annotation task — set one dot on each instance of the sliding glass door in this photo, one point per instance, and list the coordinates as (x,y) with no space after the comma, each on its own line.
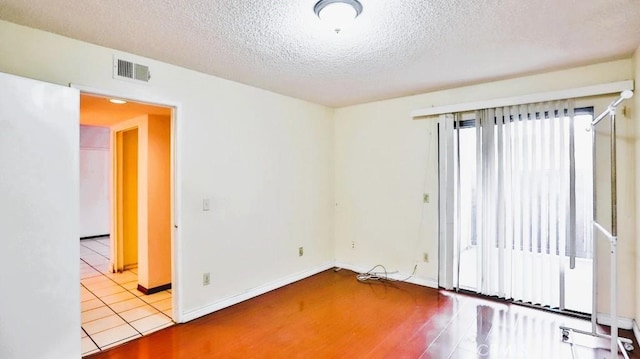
(518,187)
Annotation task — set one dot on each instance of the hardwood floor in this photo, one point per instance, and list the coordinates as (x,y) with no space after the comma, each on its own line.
(332,315)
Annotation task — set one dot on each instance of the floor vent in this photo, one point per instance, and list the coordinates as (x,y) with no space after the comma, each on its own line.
(128,70)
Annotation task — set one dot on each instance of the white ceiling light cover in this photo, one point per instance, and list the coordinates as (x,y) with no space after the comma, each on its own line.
(338,14)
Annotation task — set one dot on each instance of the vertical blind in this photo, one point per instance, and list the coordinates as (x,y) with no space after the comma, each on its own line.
(524,211)
(523,203)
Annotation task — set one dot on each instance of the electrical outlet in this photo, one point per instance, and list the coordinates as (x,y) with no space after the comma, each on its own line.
(425,257)
(300,251)
(206,279)
(425,197)
(353,244)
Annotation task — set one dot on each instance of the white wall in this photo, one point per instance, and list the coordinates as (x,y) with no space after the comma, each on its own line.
(626,171)
(634,110)
(39,276)
(264,160)
(94,181)
(385,161)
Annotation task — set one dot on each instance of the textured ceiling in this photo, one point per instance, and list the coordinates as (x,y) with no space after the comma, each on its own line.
(395,47)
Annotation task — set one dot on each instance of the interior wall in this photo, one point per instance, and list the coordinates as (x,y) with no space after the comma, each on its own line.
(159,201)
(385,161)
(94,181)
(264,161)
(626,211)
(130,201)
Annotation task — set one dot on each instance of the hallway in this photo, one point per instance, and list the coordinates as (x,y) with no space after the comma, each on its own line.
(113,310)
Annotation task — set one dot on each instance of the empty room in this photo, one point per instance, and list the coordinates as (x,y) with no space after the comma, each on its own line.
(320,179)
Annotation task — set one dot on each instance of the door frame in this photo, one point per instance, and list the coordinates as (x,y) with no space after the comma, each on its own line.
(116,187)
(176,178)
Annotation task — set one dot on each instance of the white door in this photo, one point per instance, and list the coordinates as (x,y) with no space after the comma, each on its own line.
(39,275)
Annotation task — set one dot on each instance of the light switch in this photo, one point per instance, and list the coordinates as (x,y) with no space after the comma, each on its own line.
(206,204)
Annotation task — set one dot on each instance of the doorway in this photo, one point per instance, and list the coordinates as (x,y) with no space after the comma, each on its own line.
(126,277)
(127,196)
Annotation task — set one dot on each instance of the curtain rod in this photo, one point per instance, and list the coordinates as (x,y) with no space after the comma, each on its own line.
(594,90)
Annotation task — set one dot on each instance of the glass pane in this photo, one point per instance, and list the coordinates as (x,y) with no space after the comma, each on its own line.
(578,281)
(468,243)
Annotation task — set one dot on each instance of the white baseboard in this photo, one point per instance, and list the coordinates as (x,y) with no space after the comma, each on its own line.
(267,287)
(425,282)
(623,323)
(636,331)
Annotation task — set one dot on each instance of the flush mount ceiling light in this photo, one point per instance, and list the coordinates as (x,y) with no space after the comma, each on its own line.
(337,13)
(117,101)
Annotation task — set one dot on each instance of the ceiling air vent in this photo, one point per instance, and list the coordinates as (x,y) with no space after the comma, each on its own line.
(128,70)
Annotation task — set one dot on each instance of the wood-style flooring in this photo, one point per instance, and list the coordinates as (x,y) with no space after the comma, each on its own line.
(332,315)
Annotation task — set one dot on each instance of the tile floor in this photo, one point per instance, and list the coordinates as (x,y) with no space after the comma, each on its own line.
(113,310)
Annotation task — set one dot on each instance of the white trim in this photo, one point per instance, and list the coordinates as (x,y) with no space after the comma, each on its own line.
(425,282)
(636,331)
(267,287)
(586,91)
(623,323)
(176,275)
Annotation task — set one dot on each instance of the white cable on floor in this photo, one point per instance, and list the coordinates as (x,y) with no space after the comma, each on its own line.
(382,276)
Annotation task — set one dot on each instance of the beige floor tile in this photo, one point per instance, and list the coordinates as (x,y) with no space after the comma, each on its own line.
(95,259)
(156,297)
(88,347)
(138,313)
(108,290)
(103,268)
(102,324)
(119,297)
(121,342)
(91,304)
(97,313)
(100,284)
(151,322)
(84,251)
(137,293)
(86,295)
(96,247)
(82,333)
(115,335)
(96,281)
(163,304)
(124,277)
(104,250)
(127,305)
(130,285)
(168,313)
(89,274)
